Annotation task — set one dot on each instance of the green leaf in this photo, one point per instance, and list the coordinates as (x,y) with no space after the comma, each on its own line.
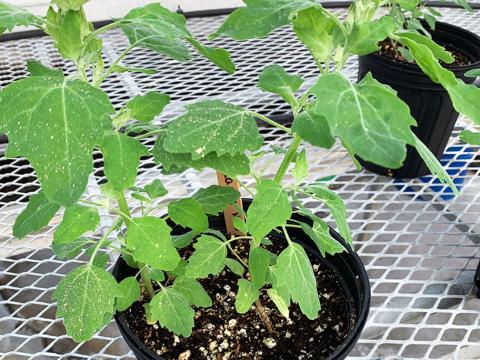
(11,16)
(129,292)
(313,129)
(464,4)
(258,261)
(369,117)
(35,216)
(247,294)
(365,36)
(275,79)
(213,126)
(66,5)
(240,225)
(279,302)
(235,266)
(208,258)
(121,154)
(320,235)
(188,213)
(36,68)
(172,310)
(434,165)
(219,57)
(438,51)
(123,69)
(465,99)
(215,199)
(150,242)
(295,274)
(156,275)
(72,30)
(77,220)
(259,18)
(146,107)
(71,249)
(60,123)
(473,73)
(270,208)
(193,292)
(181,241)
(85,299)
(180,269)
(470,137)
(336,206)
(300,171)
(155,189)
(314,27)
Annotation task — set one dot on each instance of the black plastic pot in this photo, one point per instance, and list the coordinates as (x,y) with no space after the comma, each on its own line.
(429,102)
(347,266)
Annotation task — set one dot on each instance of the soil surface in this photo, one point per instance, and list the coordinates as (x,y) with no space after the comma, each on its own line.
(220,333)
(388,49)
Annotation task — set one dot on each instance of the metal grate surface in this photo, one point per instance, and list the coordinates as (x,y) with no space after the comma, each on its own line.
(419,244)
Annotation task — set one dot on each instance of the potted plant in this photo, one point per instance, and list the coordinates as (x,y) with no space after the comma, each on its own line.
(429,97)
(269,278)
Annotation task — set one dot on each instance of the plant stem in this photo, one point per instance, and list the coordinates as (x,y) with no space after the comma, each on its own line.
(237,256)
(292,150)
(285,232)
(101,30)
(271,122)
(122,203)
(262,313)
(112,67)
(115,225)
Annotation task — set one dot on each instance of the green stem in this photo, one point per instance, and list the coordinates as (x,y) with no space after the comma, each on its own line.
(292,150)
(112,67)
(101,30)
(285,232)
(271,122)
(122,203)
(237,256)
(115,225)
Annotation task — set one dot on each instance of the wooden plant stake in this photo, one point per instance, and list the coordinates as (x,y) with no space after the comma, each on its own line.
(231,212)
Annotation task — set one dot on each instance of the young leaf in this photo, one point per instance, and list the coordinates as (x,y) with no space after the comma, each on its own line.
(77,220)
(71,249)
(36,68)
(156,275)
(129,292)
(300,171)
(247,294)
(320,235)
(473,73)
(313,129)
(85,298)
(258,261)
(213,126)
(235,266)
(208,258)
(60,123)
(193,291)
(275,79)
(122,155)
(336,206)
(470,137)
(181,241)
(465,99)
(270,208)
(180,269)
(295,274)
(259,18)
(35,216)
(150,242)
(172,310)
(215,199)
(66,5)
(279,302)
(123,69)
(240,225)
(11,16)
(369,117)
(72,30)
(365,36)
(438,51)
(146,107)
(155,189)
(219,57)
(188,213)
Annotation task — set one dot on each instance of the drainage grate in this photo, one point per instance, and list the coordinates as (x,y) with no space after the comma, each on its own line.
(419,244)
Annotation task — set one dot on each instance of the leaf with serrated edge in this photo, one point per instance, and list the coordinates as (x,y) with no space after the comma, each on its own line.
(235,266)
(71,249)
(215,199)
(36,68)
(208,258)
(219,57)
(121,155)
(35,216)
(247,294)
(85,297)
(57,128)
(365,36)
(313,129)
(129,292)
(172,311)
(146,107)
(281,305)
(11,16)
(77,220)
(213,126)
(270,208)
(320,235)
(369,117)
(276,80)
(155,189)
(258,262)
(193,291)
(150,242)
(188,213)
(295,274)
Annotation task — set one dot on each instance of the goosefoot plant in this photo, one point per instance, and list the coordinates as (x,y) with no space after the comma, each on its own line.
(56,122)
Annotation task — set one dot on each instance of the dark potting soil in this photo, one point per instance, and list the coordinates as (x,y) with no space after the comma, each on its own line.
(389,50)
(220,333)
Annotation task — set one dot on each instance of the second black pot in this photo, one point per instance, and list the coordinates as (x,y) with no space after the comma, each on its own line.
(429,102)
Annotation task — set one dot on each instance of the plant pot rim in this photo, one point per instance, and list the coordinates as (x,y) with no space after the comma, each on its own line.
(362,283)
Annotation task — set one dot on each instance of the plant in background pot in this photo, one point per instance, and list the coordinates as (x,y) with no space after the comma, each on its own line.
(269,279)
(431,81)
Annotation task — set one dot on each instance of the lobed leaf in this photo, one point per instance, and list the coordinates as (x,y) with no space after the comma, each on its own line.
(146,107)
(36,68)
(193,291)
(320,235)
(365,36)
(314,129)
(188,213)
(276,80)
(215,199)
(208,258)
(77,220)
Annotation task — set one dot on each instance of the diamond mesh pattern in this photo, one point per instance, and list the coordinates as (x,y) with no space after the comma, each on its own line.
(420,245)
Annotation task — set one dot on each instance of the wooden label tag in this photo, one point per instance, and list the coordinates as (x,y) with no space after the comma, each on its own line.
(231,212)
